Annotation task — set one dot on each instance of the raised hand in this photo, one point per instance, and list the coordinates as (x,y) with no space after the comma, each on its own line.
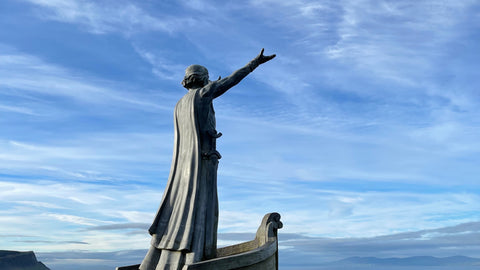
(264,58)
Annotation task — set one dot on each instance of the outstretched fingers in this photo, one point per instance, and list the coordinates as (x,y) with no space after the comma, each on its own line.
(265,58)
(270,57)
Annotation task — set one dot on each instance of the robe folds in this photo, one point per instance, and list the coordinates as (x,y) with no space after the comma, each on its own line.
(188,214)
(184,230)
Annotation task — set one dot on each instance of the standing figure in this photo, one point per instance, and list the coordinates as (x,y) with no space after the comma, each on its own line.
(184,230)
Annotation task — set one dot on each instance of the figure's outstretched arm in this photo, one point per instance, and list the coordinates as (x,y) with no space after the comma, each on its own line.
(228,82)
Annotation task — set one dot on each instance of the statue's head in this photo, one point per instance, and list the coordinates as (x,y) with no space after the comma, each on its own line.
(196,76)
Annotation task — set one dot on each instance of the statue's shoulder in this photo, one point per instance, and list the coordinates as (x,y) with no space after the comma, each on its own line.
(209,89)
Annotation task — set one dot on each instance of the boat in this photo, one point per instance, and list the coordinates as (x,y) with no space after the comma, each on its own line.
(260,253)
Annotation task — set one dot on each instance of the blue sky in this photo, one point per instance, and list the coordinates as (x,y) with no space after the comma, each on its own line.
(366,124)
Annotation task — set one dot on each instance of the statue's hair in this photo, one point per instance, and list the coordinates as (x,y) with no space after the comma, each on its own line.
(195,76)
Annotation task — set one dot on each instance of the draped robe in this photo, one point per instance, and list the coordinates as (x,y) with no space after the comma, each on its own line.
(190,204)
(184,230)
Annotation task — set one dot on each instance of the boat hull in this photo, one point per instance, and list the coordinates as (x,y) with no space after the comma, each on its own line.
(259,254)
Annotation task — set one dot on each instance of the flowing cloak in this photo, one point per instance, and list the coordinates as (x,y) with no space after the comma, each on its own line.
(187,218)
(188,214)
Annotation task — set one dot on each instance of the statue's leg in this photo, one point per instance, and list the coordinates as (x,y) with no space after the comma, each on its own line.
(151,259)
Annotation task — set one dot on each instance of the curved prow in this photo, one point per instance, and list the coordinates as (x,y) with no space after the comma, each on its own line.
(259,254)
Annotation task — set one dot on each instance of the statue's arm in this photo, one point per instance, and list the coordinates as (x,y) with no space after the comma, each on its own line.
(222,85)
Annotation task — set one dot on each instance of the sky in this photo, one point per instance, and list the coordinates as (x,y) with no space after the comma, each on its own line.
(363,132)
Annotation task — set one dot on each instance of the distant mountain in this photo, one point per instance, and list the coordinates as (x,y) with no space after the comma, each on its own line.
(16,260)
(409,261)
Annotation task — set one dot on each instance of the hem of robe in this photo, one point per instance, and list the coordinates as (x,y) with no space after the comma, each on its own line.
(164,259)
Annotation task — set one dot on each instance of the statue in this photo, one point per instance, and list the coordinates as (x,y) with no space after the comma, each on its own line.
(184,230)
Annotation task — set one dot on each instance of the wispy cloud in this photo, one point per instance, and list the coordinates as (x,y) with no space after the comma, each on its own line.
(392,51)
(25,74)
(69,158)
(54,94)
(76,219)
(17,109)
(120,226)
(88,216)
(51,242)
(356,214)
(397,42)
(123,17)
(161,67)
(41,204)
(74,213)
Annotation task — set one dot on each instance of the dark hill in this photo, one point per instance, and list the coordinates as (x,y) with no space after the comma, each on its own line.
(16,260)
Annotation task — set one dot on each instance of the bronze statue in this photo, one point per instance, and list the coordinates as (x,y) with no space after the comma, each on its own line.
(184,230)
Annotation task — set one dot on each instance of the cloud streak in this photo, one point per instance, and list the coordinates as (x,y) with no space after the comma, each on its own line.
(27,75)
(89,216)
(120,226)
(123,17)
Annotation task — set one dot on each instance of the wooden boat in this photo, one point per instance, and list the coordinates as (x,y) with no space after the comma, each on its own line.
(260,253)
